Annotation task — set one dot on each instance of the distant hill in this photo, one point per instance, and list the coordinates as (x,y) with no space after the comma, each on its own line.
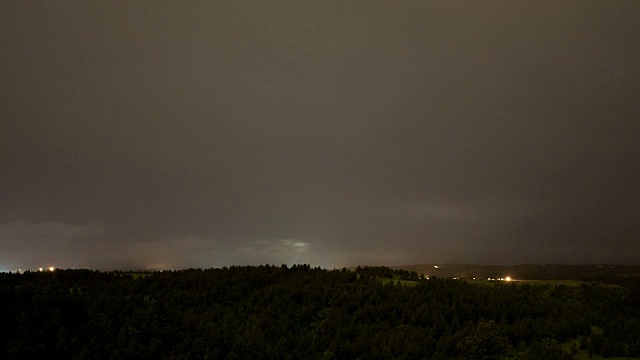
(526,272)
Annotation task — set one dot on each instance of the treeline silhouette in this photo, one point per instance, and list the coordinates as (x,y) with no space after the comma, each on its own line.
(300,312)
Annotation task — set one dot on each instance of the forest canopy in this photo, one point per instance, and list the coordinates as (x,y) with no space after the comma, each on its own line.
(300,312)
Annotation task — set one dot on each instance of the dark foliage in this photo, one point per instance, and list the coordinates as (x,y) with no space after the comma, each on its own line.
(277,312)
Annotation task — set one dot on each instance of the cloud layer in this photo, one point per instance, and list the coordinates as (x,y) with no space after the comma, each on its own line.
(329,133)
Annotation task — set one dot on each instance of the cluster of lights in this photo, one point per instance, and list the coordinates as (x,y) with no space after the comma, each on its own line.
(508,278)
(20,271)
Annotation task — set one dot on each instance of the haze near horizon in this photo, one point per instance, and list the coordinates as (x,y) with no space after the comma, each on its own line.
(171,135)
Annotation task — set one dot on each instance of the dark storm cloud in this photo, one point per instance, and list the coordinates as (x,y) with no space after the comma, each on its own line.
(214,133)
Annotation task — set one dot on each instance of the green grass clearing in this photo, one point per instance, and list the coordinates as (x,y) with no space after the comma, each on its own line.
(385,281)
(139,275)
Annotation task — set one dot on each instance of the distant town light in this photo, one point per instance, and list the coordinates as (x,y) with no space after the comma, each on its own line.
(508,278)
(51,268)
(40,269)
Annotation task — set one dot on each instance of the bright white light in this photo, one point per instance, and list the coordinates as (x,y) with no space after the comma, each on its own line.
(435,266)
(51,268)
(40,269)
(507,278)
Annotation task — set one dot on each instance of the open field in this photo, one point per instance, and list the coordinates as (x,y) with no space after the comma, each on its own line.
(570,275)
(138,274)
(403,282)
(566,282)
(493,283)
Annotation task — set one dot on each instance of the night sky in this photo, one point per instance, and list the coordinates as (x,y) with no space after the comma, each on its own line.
(155,134)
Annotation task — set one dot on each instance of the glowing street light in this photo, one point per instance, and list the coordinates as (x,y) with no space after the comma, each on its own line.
(507,278)
(51,268)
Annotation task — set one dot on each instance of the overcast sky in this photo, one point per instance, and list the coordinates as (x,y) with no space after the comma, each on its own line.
(209,133)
